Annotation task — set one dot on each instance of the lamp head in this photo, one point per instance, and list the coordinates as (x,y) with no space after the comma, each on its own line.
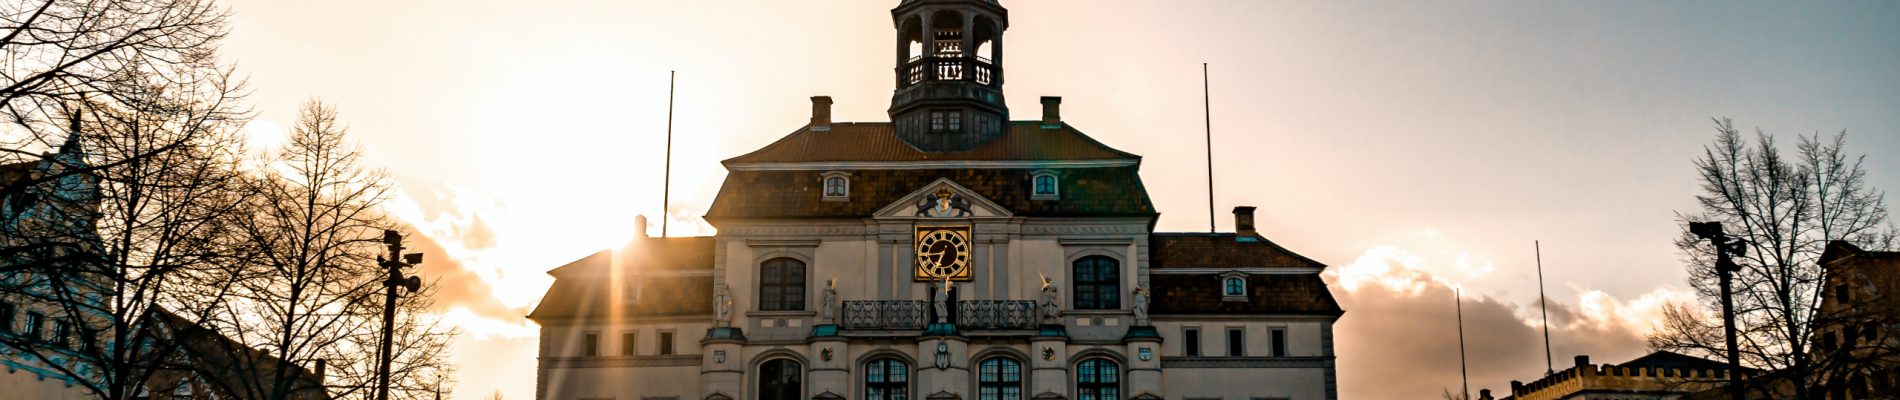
(413,283)
(1706,230)
(390,236)
(412,258)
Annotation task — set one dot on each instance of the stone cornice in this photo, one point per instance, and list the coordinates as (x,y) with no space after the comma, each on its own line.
(1246,362)
(690,360)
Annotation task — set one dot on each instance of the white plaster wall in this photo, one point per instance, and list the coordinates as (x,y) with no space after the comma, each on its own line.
(1245,383)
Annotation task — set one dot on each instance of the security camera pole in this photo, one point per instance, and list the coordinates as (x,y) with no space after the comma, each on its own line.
(1725,267)
(395,263)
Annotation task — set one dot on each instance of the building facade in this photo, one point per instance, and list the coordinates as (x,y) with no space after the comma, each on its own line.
(952,253)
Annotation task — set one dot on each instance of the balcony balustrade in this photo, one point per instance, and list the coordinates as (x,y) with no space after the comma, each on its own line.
(866,315)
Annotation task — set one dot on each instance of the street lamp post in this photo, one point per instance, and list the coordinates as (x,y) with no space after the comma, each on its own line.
(394,264)
(1726,248)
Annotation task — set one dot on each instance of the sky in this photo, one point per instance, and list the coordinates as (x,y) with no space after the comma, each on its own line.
(1415,147)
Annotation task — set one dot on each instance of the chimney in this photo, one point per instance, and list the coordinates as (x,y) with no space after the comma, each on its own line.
(1517,388)
(1484,394)
(820,113)
(640,226)
(321,366)
(1051,112)
(1583,360)
(1243,222)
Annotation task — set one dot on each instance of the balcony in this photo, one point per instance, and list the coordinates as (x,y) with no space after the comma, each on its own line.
(979,315)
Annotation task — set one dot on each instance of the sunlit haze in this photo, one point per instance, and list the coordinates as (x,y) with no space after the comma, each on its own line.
(1411,146)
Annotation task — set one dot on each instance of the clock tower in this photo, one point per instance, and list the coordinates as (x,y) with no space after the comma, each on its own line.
(949,95)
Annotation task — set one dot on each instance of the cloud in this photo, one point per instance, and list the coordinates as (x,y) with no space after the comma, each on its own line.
(1399,337)
(457,287)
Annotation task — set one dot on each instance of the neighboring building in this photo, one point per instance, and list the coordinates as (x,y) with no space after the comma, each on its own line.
(1856,348)
(826,279)
(48,236)
(1660,375)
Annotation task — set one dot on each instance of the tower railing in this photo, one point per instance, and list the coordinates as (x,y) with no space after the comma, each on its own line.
(923,69)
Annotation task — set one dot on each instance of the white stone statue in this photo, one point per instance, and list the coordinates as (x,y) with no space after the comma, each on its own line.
(831,299)
(1051,301)
(943,302)
(722,302)
(1141,306)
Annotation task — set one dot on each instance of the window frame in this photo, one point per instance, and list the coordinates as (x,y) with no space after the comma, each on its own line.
(1093,290)
(665,343)
(8,312)
(782,284)
(1036,191)
(946,121)
(1236,342)
(994,384)
(886,388)
(1099,388)
(1277,341)
(1191,341)
(844,186)
(590,344)
(35,321)
(796,377)
(629,343)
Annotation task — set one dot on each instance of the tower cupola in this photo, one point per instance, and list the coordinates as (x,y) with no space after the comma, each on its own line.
(949,93)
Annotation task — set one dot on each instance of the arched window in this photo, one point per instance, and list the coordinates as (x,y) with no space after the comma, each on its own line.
(999,378)
(1098,283)
(782,285)
(1098,379)
(837,186)
(1044,186)
(779,380)
(887,379)
(1234,286)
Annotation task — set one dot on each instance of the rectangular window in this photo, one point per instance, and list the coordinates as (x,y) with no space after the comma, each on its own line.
(1236,342)
(1279,342)
(627,343)
(666,343)
(592,345)
(1191,342)
(62,333)
(33,322)
(6,317)
(956,121)
(936,121)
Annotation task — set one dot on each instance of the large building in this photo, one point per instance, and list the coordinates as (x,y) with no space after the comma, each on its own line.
(54,310)
(953,253)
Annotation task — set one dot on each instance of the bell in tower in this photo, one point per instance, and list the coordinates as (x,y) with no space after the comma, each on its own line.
(949,73)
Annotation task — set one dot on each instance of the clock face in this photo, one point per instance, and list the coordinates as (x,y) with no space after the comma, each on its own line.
(943,252)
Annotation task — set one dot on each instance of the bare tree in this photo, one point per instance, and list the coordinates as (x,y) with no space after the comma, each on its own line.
(142,191)
(1787,210)
(62,55)
(313,288)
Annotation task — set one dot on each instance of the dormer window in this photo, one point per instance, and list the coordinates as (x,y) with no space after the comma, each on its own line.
(1233,286)
(946,121)
(1044,186)
(837,186)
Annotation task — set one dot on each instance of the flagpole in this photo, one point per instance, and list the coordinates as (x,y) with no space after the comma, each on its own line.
(666,192)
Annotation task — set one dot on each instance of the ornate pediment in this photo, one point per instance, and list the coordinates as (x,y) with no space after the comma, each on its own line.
(943,199)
